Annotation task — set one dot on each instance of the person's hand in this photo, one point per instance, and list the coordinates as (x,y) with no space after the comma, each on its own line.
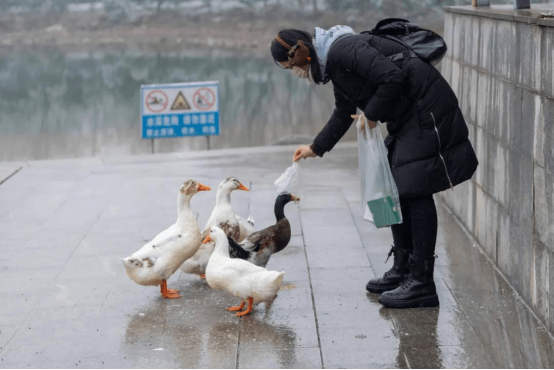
(362,121)
(303,151)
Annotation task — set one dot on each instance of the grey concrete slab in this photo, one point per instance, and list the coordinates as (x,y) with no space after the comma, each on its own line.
(7,171)
(67,302)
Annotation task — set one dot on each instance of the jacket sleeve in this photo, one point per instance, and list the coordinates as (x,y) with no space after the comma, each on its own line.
(361,58)
(337,126)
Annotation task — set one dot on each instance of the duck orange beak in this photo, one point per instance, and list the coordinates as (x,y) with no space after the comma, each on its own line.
(208,239)
(293,198)
(242,187)
(203,187)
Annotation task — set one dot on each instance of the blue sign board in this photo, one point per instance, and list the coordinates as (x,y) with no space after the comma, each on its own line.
(176,110)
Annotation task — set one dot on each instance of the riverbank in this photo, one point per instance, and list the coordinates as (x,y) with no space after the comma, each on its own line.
(245,31)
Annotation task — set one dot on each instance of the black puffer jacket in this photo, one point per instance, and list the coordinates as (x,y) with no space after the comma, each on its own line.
(429,149)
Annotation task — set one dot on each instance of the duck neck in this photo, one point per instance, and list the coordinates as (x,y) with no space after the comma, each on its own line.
(279,210)
(183,211)
(223,197)
(222,248)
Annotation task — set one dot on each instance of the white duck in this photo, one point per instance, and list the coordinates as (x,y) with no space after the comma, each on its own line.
(238,277)
(156,261)
(223,217)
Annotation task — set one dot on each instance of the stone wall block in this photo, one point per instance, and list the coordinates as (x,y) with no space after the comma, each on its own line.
(544,206)
(448,34)
(461,202)
(496,107)
(505,49)
(487,30)
(530,102)
(537,59)
(539,135)
(455,78)
(526,181)
(547,61)
(520,184)
(446,68)
(474,83)
(504,108)
(464,88)
(528,56)
(486,224)
(540,279)
(483,100)
(515,122)
(481,222)
(499,188)
(457,36)
(491,144)
(521,256)
(481,153)
(505,243)
(550,317)
(465,33)
(512,182)
(548,146)
(471,48)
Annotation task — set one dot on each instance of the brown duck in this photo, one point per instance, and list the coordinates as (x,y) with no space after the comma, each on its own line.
(260,245)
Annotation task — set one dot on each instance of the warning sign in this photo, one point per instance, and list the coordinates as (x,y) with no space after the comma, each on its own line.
(204,98)
(180,103)
(180,109)
(156,101)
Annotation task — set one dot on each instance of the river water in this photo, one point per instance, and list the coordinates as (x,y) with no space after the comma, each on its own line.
(59,104)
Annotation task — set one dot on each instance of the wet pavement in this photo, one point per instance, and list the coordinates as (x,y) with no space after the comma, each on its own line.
(67,302)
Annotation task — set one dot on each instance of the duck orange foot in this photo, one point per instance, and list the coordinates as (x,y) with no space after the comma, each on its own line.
(203,276)
(249,309)
(236,308)
(168,293)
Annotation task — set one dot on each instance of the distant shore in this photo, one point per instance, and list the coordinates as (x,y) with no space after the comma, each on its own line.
(163,32)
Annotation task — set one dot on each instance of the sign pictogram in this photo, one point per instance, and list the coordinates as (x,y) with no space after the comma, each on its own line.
(180,103)
(156,101)
(204,98)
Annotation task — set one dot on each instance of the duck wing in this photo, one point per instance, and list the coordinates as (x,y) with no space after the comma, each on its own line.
(253,242)
(230,229)
(261,244)
(246,227)
(236,250)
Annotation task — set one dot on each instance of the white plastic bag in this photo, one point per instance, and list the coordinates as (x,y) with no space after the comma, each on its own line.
(290,180)
(380,200)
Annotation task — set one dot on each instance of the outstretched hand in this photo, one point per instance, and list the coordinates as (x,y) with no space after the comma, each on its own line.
(362,121)
(303,151)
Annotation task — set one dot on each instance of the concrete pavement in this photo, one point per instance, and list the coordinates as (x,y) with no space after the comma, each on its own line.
(67,302)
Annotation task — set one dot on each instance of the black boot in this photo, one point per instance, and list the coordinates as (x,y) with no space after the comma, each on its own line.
(396,275)
(418,290)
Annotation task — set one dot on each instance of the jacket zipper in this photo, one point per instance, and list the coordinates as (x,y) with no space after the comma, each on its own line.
(440,154)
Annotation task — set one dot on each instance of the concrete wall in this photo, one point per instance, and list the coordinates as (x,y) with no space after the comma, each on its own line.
(500,63)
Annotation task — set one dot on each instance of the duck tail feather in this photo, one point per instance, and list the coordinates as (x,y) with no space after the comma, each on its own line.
(236,250)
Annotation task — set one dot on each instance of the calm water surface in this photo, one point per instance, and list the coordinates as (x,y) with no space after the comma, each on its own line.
(56,104)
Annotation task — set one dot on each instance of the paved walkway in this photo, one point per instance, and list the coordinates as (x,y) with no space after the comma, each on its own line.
(67,302)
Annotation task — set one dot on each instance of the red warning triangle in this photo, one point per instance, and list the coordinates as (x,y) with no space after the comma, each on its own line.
(180,103)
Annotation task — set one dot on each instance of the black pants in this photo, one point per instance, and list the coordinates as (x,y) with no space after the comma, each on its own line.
(418,232)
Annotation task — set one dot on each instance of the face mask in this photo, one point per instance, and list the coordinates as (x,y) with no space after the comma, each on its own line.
(299,72)
(310,76)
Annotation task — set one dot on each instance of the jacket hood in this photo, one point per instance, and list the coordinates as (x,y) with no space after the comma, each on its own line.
(322,41)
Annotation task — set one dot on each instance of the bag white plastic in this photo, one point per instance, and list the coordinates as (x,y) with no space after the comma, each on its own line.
(290,180)
(379,194)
